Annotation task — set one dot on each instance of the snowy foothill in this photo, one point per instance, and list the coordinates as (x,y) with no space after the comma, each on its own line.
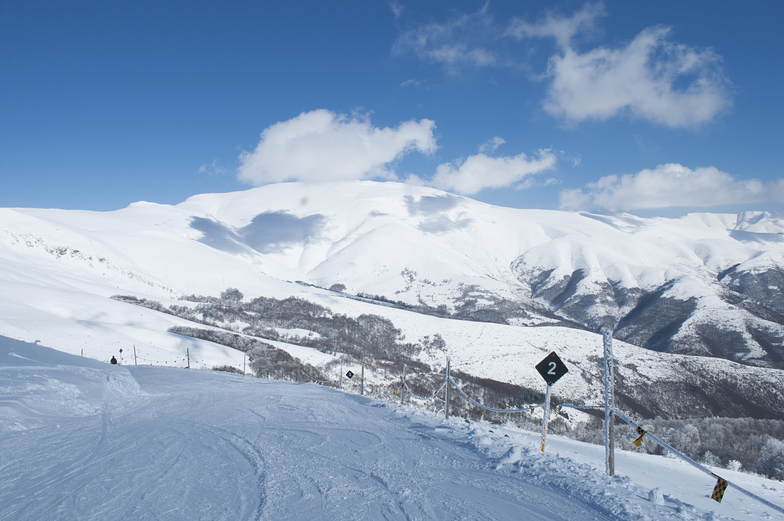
(88,440)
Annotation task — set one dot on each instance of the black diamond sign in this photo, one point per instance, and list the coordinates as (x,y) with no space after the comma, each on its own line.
(350,375)
(551,368)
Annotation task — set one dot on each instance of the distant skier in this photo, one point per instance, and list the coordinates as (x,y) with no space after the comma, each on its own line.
(113,361)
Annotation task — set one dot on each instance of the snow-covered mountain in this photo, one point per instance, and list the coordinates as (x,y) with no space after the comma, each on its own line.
(705,284)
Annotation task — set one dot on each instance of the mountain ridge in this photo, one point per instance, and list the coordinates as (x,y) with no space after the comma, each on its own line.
(704,284)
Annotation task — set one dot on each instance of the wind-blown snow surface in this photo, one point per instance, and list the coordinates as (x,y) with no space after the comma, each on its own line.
(86,440)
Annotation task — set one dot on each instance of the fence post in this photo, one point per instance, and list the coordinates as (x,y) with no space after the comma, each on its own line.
(609,402)
(403,385)
(446,391)
(545,414)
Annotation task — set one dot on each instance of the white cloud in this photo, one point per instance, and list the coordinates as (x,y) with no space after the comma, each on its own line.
(212,168)
(456,44)
(668,186)
(651,77)
(324,146)
(640,79)
(562,28)
(397,9)
(412,81)
(491,145)
(481,171)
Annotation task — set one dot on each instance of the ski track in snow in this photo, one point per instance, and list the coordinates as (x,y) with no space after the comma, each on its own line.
(166,443)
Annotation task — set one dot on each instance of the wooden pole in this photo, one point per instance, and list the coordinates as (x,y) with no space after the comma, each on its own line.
(446,391)
(403,385)
(545,415)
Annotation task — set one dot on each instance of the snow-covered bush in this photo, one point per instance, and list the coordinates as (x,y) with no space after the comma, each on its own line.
(771,461)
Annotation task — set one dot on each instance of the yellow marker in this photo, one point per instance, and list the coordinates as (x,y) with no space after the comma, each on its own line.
(641,432)
(718,490)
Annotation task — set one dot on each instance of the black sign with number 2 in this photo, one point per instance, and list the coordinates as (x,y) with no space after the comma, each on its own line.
(551,368)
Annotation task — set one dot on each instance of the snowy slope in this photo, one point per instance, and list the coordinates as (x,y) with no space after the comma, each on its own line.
(86,440)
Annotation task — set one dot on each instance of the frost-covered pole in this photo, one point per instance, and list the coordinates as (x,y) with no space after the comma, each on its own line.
(446,391)
(403,385)
(609,402)
(546,414)
(134,354)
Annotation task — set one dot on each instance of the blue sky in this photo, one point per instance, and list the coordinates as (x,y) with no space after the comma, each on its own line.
(655,108)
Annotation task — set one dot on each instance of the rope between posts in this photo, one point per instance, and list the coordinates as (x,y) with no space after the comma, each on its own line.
(429,397)
(524,409)
(694,464)
(573,406)
(313,379)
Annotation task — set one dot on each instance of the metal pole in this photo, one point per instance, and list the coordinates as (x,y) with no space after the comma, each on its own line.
(446,391)
(243,364)
(134,355)
(187,351)
(609,403)
(403,386)
(362,380)
(545,415)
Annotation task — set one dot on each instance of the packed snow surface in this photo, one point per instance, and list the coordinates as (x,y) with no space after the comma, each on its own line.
(87,440)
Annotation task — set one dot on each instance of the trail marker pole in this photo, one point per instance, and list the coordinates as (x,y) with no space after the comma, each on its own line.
(134,355)
(446,391)
(403,385)
(545,414)
(243,364)
(362,380)
(552,369)
(187,352)
(609,403)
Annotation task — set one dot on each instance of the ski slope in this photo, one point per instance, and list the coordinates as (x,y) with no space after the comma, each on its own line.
(86,440)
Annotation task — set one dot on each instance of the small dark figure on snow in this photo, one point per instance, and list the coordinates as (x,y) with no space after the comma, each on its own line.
(113,361)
